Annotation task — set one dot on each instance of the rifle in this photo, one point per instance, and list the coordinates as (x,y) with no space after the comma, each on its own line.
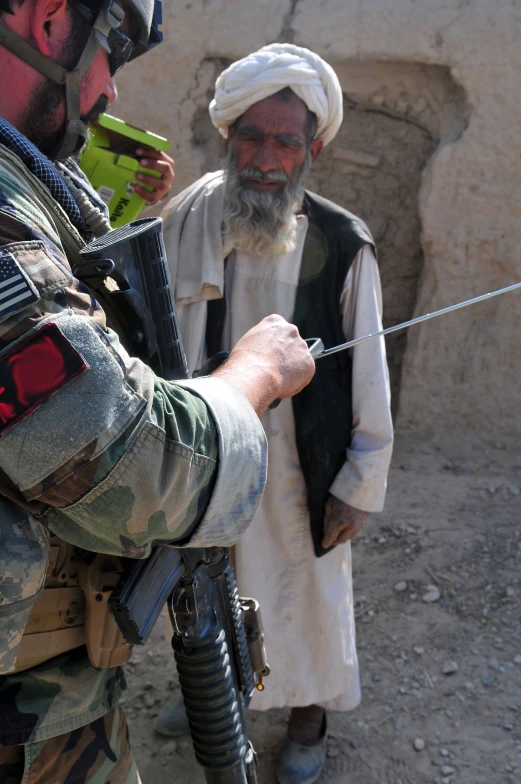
(218,640)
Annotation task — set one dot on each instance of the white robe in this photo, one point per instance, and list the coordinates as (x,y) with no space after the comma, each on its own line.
(306,602)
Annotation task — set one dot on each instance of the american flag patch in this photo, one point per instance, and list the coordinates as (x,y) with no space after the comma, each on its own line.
(16,289)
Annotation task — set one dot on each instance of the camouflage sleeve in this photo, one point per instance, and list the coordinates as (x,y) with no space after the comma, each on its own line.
(113,459)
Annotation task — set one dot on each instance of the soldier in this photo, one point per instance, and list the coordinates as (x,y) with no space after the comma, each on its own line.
(97,454)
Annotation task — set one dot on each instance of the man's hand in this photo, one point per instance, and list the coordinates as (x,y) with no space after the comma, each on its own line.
(270,361)
(160,162)
(342,522)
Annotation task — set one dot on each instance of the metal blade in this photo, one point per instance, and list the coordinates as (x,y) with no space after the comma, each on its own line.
(406,324)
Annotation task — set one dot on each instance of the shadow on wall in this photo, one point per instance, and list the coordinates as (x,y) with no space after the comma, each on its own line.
(395,117)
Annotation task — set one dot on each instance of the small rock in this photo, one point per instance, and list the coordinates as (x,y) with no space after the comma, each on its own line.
(447,770)
(382,540)
(517,659)
(507,726)
(494,665)
(377,678)
(400,587)
(169,748)
(488,682)
(418,744)
(432,594)
(449,668)
(418,650)
(444,752)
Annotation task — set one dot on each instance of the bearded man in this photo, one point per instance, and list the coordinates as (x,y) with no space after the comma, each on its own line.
(247,241)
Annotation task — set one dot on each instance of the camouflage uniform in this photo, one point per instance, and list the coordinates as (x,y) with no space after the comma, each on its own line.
(97,753)
(116,461)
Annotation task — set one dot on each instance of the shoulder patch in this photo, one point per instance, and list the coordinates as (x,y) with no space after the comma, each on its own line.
(92,411)
(16,289)
(33,371)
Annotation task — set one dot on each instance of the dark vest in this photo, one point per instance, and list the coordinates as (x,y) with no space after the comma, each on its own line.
(323,410)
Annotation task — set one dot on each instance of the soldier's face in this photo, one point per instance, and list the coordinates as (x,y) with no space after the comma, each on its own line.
(45,121)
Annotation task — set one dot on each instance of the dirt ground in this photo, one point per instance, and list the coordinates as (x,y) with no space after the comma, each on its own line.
(437,587)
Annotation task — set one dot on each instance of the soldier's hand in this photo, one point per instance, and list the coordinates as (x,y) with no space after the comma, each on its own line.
(341,522)
(270,361)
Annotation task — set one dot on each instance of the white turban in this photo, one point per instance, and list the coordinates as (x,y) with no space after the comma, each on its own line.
(269,70)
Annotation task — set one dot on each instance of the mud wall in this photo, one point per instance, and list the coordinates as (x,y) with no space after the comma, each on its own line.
(428,154)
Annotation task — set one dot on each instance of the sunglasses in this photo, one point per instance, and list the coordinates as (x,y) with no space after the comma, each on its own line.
(120,45)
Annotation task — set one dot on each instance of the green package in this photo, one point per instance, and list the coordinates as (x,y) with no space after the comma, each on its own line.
(110,164)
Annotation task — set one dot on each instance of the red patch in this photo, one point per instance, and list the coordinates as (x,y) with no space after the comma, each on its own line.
(33,371)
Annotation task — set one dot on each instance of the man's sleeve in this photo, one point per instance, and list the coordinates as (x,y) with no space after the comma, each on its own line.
(362,480)
(111,457)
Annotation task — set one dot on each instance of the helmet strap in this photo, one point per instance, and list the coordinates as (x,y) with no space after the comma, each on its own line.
(75,127)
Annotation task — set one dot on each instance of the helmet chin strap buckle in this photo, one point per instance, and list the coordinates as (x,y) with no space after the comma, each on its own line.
(74,130)
(76,127)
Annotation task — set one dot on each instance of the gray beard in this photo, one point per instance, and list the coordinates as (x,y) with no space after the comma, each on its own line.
(259,222)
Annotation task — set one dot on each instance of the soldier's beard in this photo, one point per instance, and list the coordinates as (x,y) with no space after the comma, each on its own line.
(260,222)
(40,125)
